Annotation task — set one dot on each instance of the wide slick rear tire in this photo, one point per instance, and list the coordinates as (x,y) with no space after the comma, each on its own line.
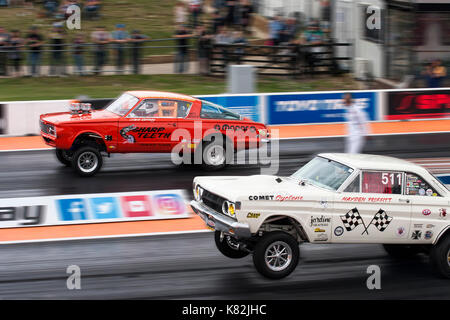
(440,257)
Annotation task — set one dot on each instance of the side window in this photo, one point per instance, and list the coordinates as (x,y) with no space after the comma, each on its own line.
(382,182)
(416,186)
(212,111)
(354,186)
(159,108)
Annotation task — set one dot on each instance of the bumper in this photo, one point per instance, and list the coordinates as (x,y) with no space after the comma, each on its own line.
(219,222)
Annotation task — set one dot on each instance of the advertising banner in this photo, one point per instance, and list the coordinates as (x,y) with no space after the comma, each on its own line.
(316,107)
(424,104)
(247,106)
(92,208)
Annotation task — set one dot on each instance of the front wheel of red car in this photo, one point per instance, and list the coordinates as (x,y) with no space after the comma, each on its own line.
(64,156)
(87,161)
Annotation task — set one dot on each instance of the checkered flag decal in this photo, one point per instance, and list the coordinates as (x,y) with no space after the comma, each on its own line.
(352,219)
(381,220)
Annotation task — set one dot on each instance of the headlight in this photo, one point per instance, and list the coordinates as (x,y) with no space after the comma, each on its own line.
(262,133)
(198,192)
(229,208)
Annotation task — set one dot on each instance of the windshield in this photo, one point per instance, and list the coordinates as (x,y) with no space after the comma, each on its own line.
(323,173)
(122,104)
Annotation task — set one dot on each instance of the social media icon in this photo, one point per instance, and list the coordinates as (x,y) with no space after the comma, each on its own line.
(72,209)
(104,208)
(169,204)
(136,206)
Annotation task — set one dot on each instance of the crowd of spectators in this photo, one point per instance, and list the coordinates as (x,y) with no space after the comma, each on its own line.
(225,22)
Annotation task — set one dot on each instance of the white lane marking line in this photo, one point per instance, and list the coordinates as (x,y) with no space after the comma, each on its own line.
(132,235)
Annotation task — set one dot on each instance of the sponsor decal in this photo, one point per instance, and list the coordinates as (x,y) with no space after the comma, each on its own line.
(288,198)
(430,226)
(401,231)
(104,208)
(72,209)
(442,213)
(367,199)
(225,127)
(339,231)
(128,137)
(321,237)
(428,235)
(324,204)
(321,221)
(319,230)
(262,197)
(136,206)
(418,226)
(252,215)
(353,219)
(416,235)
(426,212)
(168,204)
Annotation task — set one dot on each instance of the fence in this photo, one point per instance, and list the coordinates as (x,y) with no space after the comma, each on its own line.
(93,58)
(293,60)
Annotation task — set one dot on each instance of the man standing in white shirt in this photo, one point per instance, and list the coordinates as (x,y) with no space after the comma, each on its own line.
(357,127)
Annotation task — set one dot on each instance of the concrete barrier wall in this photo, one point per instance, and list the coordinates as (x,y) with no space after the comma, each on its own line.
(22,117)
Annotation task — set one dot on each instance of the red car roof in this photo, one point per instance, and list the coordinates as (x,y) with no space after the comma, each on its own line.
(161,94)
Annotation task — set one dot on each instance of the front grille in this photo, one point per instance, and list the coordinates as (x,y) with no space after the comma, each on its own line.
(212,200)
(47,128)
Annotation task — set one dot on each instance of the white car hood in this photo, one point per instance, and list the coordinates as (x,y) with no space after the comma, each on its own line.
(237,188)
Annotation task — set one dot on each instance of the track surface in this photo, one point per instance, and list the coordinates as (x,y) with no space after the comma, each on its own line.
(189,266)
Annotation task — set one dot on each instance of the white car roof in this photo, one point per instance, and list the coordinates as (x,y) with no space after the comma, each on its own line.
(374,162)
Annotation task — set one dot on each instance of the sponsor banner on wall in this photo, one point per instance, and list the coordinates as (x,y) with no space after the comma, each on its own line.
(316,107)
(247,106)
(424,104)
(92,208)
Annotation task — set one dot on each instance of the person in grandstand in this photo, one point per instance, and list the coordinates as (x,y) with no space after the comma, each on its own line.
(357,127)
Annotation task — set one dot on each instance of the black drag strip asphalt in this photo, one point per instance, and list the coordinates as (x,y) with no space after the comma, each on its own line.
(37,173)
(189,266)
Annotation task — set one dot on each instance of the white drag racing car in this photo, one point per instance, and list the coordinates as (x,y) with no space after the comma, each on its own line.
(334,198)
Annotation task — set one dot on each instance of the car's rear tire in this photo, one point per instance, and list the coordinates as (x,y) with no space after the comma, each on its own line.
(276,255)
(64,156)
(87,161)
(214,155)
(402,251)
(440,257)
(228,246)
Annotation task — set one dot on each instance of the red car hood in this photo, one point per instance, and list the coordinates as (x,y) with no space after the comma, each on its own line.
(67,117)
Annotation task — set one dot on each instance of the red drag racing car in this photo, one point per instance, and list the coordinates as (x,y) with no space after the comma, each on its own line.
(153,122)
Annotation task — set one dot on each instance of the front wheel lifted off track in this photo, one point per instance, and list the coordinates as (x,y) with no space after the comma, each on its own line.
(87,161)
(276,255)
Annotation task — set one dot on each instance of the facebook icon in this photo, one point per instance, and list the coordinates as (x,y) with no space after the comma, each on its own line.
(72,209)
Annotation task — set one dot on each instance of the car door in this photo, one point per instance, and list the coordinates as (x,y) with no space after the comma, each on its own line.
(372,209)
(428,209)
(149,127)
